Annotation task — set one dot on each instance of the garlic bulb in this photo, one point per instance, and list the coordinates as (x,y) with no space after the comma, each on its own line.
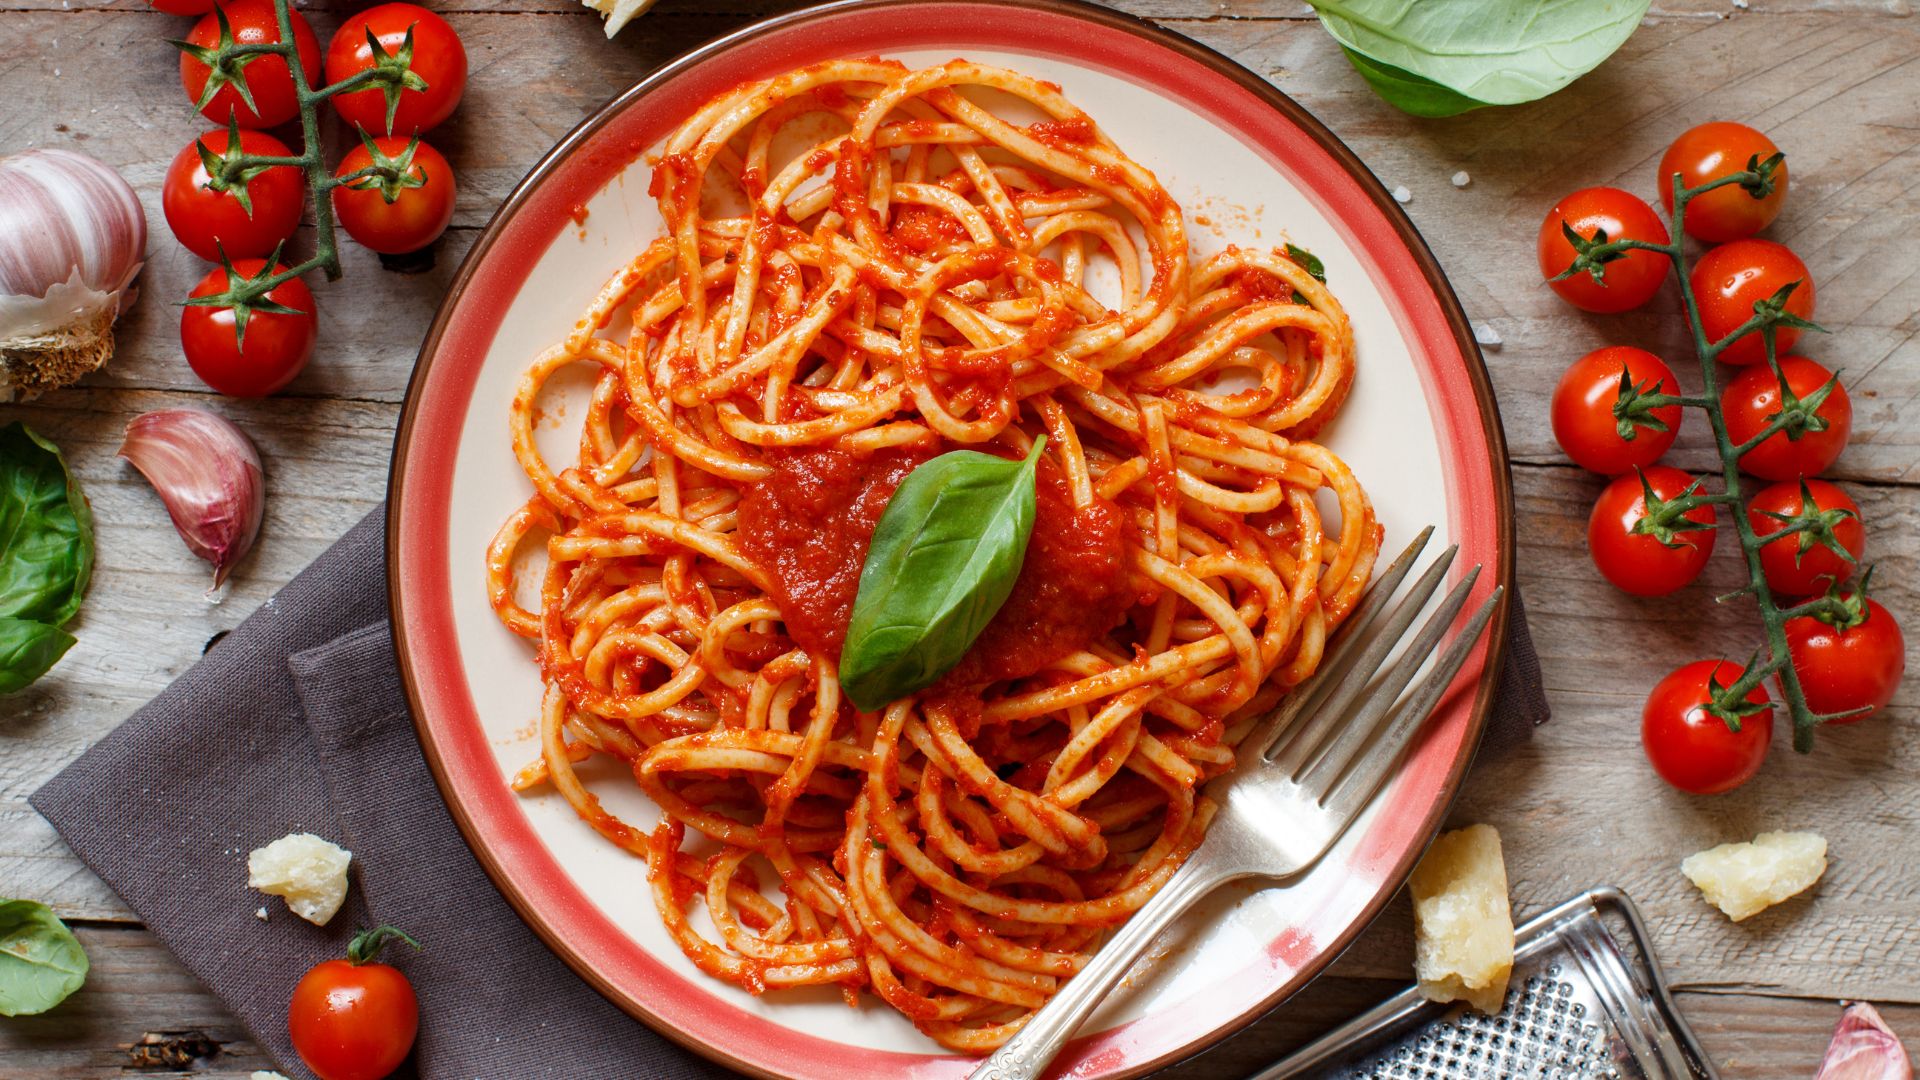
(208,475)
(72,237)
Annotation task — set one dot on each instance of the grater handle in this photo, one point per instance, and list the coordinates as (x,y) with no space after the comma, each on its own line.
(1038,1042)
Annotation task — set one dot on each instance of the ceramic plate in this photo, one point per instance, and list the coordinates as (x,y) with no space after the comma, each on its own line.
(1420,430)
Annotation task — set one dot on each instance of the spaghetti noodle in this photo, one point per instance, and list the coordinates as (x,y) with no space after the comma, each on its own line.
(864,266)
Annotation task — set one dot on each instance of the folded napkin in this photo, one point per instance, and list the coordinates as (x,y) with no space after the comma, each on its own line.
(296,722)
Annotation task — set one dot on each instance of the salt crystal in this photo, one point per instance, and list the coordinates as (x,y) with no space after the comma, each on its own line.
(1485,334)
(1741,4)
(1461,179)
(1402,195)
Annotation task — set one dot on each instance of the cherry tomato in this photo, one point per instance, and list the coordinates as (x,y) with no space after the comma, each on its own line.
(268,79)
(1631,279)
(1731,278)
(438,58)
(1693,749)
(1752,398)
(1584,423)
(1639,562)
(1855,667)
(276,346)
(354,1019)
(182,7)
(207,222)
(417,215)
(1790,570)
(1709,152)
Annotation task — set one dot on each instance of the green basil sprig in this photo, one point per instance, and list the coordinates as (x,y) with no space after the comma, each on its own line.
(46,555)
(41,962)
(1443,57)
(945,555)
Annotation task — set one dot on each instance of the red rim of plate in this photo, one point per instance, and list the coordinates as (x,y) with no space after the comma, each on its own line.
(1424,307)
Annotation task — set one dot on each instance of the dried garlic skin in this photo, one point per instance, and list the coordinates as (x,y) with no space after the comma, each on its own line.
(1748,878)
(308,872)
(1462,922)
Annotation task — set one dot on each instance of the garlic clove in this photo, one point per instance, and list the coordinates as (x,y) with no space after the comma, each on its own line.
(1864,1048)
(208,474)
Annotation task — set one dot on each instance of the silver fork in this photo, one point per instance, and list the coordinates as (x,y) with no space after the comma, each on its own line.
(1305,773)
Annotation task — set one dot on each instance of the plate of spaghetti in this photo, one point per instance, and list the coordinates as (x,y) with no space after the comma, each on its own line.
(1185,366)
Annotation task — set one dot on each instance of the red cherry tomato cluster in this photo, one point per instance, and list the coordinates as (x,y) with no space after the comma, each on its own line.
(1615,412)
(221,208)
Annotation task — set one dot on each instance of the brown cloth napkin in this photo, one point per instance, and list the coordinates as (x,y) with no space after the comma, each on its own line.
(296,721)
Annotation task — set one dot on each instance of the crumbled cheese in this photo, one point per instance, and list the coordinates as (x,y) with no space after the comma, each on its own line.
(618,13)
(1746,879)
(1402,195)
(310,873)
(1461,179)
(266,1074)
(1485,334)
(260,913)
(1462,924)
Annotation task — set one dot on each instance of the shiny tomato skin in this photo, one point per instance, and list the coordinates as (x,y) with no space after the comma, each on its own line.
(1788,570)
(1842,670)
(182,7)
(353,1021)
(413,220)
(207,222)
(1638,563)
(438,58)
(268,78)
(1630,280)
(1731,278)
(1707,153)
(1582,410)
(277,346)
(1691,748)
(1752,397)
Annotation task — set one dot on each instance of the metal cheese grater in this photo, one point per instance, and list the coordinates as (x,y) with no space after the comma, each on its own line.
(1577,1007)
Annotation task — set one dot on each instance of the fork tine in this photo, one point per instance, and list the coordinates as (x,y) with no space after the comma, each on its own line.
(1337,654)
(1352,681)
(1357,729)
(1348,794)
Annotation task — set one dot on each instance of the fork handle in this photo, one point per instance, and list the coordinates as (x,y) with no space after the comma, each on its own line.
(1033,1048)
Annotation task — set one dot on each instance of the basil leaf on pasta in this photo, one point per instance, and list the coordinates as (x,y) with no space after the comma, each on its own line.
(943,558)
(41,962)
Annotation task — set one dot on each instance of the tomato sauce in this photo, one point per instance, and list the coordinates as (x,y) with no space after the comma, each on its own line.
(809,523)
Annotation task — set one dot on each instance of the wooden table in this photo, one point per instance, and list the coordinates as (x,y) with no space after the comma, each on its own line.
(1835,82)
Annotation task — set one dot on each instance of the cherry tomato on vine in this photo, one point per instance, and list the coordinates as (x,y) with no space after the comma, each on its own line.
(268,79)
(182,7)
(1585,421)
(207,222)
(1693,749)
(1842,668)
(1752,398)
(1640,562)
(438,59)
(1800,564)
(1709,152)
(1627,281)
(355,1019)
(416,216)
(1729,280)
(276,345)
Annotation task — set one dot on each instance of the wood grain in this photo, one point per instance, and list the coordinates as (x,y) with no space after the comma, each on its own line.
(1834,82)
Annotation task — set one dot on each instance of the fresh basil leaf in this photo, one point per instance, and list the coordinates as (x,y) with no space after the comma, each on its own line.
(27,650)
(943,558)
(1409,92)
(46,531)
(41,962)
(1489,52)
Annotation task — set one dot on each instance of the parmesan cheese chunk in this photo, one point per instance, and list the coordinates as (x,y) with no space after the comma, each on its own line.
(310,873)
(617,13)
(263,1074)
(1746,879)
(1462,924)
